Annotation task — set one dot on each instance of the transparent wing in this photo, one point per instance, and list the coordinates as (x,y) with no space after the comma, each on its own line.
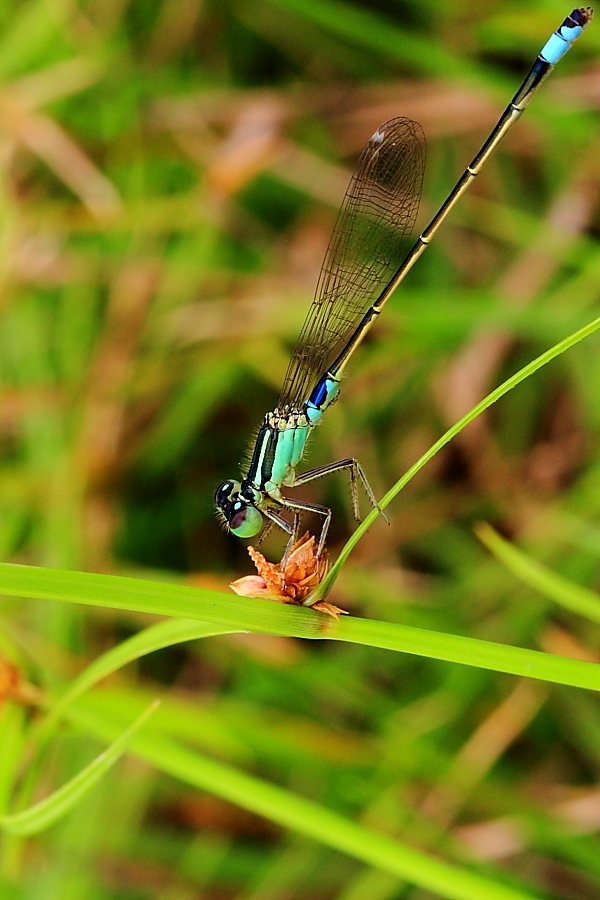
(366,248)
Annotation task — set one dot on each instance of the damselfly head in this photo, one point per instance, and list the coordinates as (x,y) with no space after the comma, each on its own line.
(239,516)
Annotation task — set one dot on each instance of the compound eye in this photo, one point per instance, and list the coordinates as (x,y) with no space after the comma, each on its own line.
(246,522)
(224,492)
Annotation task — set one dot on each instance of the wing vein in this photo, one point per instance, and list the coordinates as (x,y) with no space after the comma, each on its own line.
(366,248)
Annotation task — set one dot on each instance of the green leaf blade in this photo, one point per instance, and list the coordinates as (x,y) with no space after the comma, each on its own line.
(43,814)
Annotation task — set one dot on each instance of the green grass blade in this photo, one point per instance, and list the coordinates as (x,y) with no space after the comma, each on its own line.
(161,634)
(572,596)
(240,613)
(469,651)
(307,817)
(12,731)
(155,637)
(43,814)
(477,410)
(375,32)
(33,27)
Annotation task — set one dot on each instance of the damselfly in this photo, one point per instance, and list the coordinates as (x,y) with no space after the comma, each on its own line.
(360,272)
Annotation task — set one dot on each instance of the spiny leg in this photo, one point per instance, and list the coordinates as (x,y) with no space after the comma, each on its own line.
(278,520)
(299,505)
(355,470)
(356,473)
(265,532)
(292,530)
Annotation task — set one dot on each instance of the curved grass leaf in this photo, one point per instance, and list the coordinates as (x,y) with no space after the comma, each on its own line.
(161,634)
(155,637)
(572,596)
(382,35)
(477,410)
(306,817)
(229,611)
(52,808)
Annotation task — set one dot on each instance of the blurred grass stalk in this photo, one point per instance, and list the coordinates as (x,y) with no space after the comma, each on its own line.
(170,174)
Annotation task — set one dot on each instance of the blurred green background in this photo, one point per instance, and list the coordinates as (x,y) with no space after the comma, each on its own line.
(171,174)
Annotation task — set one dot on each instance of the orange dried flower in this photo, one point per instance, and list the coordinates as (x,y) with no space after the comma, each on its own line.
(14,687)
(9,679)
(303,572)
